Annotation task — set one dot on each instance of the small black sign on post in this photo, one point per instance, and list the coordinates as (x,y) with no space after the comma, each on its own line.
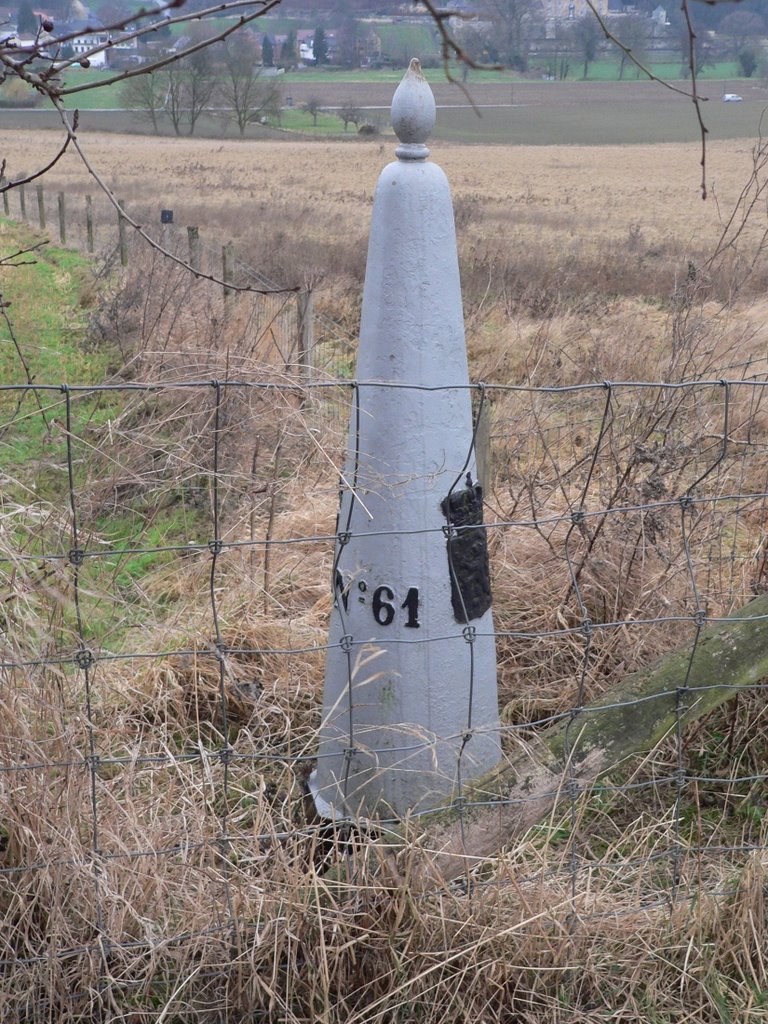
(166,220)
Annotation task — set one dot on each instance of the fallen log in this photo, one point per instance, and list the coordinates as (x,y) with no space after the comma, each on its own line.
(727,657)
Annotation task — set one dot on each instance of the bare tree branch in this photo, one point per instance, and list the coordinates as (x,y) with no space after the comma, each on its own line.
(14,259)
(695,97)
(153,244)
(451,48)
(147,69)
(612,38)
(37,174)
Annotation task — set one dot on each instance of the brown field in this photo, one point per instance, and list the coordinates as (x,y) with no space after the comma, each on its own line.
(537,226)
(591,188)
(568,199)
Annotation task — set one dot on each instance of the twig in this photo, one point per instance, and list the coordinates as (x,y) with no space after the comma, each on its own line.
(695,96)
(69,128)
(449,47)
(12,260)
(148,69)
(609,35)
(37,174)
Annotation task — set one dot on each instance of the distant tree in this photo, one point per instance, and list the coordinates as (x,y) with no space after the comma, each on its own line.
(146,94)
(191,84)
(749,60)
(559,54)
(349,56)
(634,33)
(27,22)
(173,104)
(245,91)
(320,46)
(201,84)
(585,36)
(268,53)
(289,54)
(350,114)
(313,106)
(510,26)
(742,29)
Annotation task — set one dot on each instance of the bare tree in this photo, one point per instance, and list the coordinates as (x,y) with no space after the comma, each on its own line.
(585,37)
(510,24)
(313,106)
(743,29)
(634,33)
(147,95)
(350,114)
(245,89)
(199,83)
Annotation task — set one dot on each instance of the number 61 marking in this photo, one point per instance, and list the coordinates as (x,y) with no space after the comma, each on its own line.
(382,605)
(384,611)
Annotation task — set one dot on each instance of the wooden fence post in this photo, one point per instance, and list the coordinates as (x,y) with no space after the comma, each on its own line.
(6,205)
(193,241)
(23,202)
(89,221)
(227,265)
(41,207)
(166,229)
(62,219)
(483,445)
(122,234)
(306,333)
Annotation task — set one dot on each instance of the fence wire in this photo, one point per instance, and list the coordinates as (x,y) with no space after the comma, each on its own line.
(155,748)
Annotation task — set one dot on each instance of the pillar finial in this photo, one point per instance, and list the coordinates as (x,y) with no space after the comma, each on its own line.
(413,113)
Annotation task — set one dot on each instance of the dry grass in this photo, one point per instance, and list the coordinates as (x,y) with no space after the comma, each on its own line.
(119,898)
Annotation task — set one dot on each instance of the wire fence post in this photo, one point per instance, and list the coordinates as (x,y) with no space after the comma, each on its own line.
(41,207)
(483,446)
(166,228)
(122,234)
(89,222)
(62,219)
(227,272)
(23,202)
(193,246)
(306,339)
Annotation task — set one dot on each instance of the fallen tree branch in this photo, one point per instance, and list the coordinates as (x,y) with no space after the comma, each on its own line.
(632,718)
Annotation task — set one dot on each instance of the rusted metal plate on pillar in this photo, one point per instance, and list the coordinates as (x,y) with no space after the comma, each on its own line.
(410,702)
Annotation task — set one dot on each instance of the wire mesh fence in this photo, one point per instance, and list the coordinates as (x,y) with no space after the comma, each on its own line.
(155,746)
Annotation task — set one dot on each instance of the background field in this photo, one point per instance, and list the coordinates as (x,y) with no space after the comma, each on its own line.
(508,112)
(320,193)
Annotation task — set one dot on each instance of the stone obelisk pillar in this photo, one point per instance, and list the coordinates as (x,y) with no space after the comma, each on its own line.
(410,707)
